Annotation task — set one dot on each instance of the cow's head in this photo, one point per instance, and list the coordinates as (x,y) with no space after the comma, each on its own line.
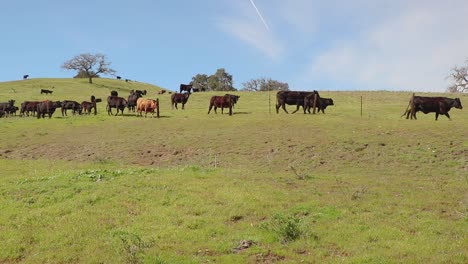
(11,102)
(457,103)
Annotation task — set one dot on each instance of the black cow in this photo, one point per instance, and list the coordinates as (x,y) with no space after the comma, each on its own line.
(7,106)
(179,98)
(132,99)
(2,113)
(234,98)
(12,110)
(321,103)
(116,102)
(27,107)
(47,107)
(25,76)
(114,93)
(46,91)
(226,101)
(140,93)
(437,105)
(185,87)
(71,105)
(294,98)
(118,77)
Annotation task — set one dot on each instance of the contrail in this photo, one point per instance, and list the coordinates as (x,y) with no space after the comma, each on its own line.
(260,15)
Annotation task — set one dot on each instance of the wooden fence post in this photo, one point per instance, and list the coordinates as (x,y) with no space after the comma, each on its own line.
(314,104)
(157,107)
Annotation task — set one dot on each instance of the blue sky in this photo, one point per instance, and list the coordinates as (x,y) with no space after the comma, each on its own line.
(322,45)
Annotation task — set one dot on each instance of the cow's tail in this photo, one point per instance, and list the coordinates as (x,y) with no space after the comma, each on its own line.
(406,110)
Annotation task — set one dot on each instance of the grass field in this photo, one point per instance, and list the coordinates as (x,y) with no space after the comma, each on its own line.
(189,187)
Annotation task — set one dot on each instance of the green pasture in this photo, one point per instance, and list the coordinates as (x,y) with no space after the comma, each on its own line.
(189,187)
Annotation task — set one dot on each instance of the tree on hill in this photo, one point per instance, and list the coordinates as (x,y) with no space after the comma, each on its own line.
(264,84)
(459,75)
(89,65)
(221,81)
(200,82)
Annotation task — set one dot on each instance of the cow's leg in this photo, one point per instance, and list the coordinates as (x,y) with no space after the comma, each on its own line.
(183,106)
(209,108)
(284,108)
(447,115)
(297,109)
(175,104)
(230,110)
(277,108)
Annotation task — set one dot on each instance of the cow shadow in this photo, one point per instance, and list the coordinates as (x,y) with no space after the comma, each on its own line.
(242,113)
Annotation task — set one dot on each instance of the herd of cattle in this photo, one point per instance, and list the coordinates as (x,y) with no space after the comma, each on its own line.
(135,102)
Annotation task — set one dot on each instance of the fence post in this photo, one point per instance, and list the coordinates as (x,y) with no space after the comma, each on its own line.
(314,104)
(157,107)
(361,105)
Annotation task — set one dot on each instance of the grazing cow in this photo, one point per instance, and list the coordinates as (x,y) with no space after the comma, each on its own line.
(25,76)
(294,98)
(46,91)
(114,93)
(12,110)
(179,98)
(161,91)
(7,106)
(118,77)
(47,107)
(226,101)
(437,105)
(27,107)
(71,105)
(116,102)
(148,106)
(185,87)
(127,80)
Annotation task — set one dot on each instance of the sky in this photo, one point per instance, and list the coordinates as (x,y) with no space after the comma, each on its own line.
(393,45)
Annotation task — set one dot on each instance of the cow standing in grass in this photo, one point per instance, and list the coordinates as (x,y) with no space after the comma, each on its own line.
(226,101)
(147,106)
(47,108)
(295,98)
(71,105)
(116,102)
(179,98)
(437,105)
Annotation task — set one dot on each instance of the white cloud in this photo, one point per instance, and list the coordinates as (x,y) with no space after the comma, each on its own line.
(246,26)
(413,49)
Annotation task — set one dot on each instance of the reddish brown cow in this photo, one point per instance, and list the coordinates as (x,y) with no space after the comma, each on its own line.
(148,106)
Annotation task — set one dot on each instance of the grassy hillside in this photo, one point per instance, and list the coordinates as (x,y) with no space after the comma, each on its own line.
(189,187)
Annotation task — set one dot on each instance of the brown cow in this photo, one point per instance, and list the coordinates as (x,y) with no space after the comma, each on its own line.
(294,98)
(179,98)
(226,101)
(148,106)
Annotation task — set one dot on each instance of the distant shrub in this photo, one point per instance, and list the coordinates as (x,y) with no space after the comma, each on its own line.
(287,228)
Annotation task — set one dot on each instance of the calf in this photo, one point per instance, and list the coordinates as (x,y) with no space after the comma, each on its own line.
(71,105)
(321,103)
(179,98)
